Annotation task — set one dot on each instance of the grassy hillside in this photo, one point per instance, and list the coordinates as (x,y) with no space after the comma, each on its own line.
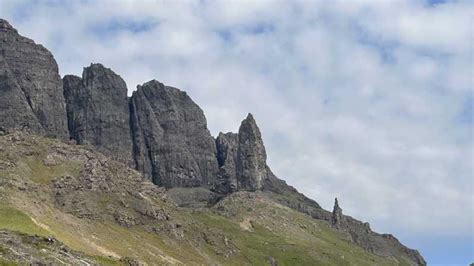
(110,215)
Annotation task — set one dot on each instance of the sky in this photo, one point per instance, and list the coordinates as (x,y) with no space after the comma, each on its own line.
(369,101)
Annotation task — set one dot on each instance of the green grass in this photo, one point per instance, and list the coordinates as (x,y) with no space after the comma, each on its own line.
(7,263)
(316,244)
(42,174)
(15,220)
(107,261)
(255,247)
(289,237)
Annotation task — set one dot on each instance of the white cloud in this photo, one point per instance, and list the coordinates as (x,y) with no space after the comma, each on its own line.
(358,100)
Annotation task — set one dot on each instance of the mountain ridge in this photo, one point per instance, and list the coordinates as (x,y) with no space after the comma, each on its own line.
(159,131)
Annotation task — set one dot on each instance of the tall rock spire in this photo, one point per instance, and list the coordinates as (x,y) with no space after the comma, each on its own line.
(242,159)
(337,219)
(251,156)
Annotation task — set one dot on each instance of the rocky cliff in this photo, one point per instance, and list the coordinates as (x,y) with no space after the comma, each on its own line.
(172,144)
(97,111)
(30,86)
(161,132)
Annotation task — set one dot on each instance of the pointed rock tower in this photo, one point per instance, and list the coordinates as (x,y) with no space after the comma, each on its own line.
(337,219)
(242,159)
(251,161)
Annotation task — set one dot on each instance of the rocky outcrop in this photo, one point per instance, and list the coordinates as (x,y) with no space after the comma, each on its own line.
(30,86)
(251,161)
(97,111)
(21,249)
(338,220)
(385,245)
(227,146)
(172,144)
(242,159)
(160,130)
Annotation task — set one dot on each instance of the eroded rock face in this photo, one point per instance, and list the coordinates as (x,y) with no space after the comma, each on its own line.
(227,146)
(97,111)
(337,219)
(30,86)
(242,159)
(251,161)
(172,144)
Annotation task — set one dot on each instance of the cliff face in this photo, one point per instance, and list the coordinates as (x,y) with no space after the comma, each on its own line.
(227,147)
(97,111)
(172,144)
(159,131)
(30,86)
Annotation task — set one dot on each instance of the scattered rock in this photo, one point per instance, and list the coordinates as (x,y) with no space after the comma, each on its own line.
(271,261)
(127,261)
(53,159)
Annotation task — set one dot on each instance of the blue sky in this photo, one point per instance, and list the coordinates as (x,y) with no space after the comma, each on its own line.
(369,101)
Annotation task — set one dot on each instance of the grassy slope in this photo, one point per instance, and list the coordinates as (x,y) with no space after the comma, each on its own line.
(242,229)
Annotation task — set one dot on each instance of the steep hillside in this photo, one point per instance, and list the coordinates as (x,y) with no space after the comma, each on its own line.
(106,213)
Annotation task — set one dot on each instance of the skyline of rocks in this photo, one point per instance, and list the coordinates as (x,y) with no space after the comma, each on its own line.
(160,131)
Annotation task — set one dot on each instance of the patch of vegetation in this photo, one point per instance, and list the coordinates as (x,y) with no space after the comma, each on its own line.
(106,261)
(247,229)
(43,174)
(15,220)
(7,263)
(304,241)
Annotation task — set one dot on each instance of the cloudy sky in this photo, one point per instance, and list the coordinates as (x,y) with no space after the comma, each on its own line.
(369,101)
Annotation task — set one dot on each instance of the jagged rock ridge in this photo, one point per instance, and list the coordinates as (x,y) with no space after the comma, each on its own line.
(160,128)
